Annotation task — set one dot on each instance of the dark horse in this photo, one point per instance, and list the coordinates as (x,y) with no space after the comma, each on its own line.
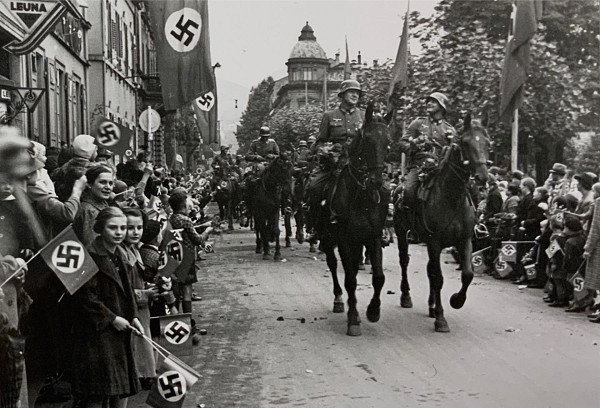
(447,218)
(270,193)
(227,196)
(360,202)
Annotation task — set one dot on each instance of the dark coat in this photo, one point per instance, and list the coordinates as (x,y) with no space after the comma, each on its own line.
(493,204)
(531,215)
(103,361)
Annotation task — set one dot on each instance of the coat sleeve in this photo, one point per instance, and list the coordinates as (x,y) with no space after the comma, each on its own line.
(90,305)
(83,226)
(51,208)
(594,234)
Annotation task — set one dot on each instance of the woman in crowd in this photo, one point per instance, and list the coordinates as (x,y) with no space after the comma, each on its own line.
(104,370)
(100,182)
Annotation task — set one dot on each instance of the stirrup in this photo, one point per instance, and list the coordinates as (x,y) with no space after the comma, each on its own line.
(412,237)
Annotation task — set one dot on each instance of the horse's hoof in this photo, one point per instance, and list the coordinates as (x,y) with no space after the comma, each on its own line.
(258,250)
(312,249)
(266,257)
(373,313)
(406,301)
(361,267)
(457,300)
(277,256)
(338,307)
(431,312)
(288,244)
(441,325)
(354,330)
(300,238)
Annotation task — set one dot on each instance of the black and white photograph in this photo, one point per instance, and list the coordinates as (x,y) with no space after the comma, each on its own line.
(299,203)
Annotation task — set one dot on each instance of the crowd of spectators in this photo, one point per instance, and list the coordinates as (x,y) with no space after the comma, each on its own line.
(55,347)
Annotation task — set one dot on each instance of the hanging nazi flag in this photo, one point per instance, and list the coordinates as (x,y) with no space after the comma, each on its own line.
(175,378)
(530,271)
(69,260)
(183,50)
(113,136)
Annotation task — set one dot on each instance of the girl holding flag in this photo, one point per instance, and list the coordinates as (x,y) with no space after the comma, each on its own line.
(104,369)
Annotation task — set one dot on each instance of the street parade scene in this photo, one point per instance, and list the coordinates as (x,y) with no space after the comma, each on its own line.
(384,203)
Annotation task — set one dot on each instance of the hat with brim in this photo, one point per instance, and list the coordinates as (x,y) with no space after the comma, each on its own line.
(558,168)
(585,179)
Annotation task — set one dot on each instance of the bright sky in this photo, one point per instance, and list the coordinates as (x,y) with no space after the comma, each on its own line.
(252,39)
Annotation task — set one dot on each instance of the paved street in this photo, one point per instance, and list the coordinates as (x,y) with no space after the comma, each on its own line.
(506,348)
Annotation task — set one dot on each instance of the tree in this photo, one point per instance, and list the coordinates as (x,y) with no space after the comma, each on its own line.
(256,114)
(290,125)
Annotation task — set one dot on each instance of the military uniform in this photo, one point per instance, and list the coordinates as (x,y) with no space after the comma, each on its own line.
(263,148)
(425,138)
(340,125)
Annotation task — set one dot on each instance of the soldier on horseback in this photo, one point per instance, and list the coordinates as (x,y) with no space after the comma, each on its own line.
(338,128)
(423,143)
(263,148)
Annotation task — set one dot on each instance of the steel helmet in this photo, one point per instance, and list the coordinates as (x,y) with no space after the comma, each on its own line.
(302,143)
(312,139)
(441,99)
(224,147)
(264,131)
(348,85)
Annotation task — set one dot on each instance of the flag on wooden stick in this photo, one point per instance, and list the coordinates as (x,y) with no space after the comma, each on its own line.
(526,14)
(69,260)
(174,381)
(400,70)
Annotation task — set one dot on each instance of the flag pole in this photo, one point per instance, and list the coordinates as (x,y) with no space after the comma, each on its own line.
(21,267)
(514,141)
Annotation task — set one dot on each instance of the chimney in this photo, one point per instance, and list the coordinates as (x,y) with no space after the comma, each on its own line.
(359,58)
(337,57)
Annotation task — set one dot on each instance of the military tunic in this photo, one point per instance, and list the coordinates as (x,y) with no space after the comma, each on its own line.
(340,125)
(420,134)
(260,148)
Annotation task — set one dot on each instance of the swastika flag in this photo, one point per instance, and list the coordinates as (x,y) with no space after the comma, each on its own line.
(175,378)
(183,51)
(112,136)
(69,260)
(176,333)
(478,260)
(509,251)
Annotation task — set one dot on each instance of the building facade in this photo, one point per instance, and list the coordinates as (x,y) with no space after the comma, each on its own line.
(58,65)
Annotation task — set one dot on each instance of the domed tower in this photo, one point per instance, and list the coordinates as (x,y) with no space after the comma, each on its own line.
(307,68)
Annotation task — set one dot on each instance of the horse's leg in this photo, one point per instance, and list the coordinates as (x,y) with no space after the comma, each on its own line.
(458,299)
(230,214)
(299,217)
(275,231)
(265,237)
(287,220)
(376,256)
(350,255)
(436,281)
(404,259)
(258,239)
(338,299)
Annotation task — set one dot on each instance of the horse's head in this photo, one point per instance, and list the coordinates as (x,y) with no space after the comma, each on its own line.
(475,144)
(371,146)
(281,168)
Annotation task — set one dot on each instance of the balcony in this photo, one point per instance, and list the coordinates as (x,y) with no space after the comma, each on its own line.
(151,88)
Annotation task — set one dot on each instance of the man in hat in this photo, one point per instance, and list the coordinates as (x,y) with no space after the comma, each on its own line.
(425,138)
(555,183)
(338,127)
(263,148)
(585,208)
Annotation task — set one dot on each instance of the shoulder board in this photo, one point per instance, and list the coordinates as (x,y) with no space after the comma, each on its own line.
(256,140)
(271,140)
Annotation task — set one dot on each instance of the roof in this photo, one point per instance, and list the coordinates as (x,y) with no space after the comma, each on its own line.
(307,45)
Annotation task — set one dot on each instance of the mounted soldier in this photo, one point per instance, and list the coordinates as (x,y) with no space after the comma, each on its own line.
(425,139)
(263,148)
(338,128)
